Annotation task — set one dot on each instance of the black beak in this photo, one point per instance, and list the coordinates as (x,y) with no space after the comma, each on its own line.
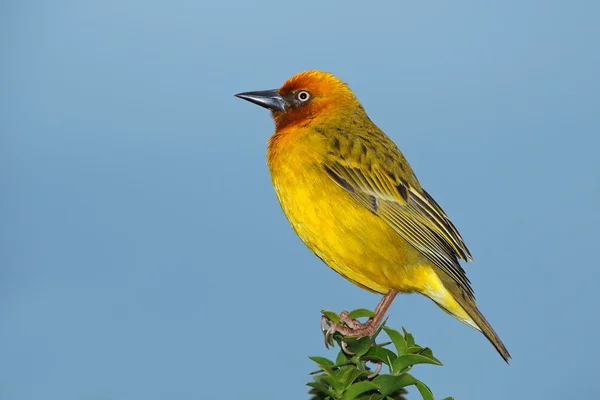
(270,99)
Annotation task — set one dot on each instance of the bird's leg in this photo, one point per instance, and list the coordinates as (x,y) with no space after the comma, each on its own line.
(356,329)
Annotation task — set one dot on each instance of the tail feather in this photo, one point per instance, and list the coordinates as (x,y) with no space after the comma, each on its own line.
(484,326)
(462,306)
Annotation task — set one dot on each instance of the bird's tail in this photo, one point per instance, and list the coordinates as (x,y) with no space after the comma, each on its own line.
(477,317)
(462,306)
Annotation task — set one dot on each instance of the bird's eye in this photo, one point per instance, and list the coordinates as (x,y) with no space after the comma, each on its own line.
(303,96)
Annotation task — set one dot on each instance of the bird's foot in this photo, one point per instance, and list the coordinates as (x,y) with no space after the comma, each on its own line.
(348,327)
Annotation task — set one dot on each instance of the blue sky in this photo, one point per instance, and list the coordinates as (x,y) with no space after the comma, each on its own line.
(143,252)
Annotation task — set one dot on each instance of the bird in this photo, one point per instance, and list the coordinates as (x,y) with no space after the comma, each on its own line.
(353,199)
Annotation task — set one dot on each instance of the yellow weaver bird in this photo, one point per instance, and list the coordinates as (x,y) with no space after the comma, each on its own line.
(354,200)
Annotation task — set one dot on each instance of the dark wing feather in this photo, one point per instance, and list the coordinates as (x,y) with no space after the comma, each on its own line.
(406,208)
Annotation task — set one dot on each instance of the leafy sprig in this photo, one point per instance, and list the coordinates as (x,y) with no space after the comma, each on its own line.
(351,378)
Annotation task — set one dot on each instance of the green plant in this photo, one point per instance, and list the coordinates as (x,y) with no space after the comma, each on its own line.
(350,378)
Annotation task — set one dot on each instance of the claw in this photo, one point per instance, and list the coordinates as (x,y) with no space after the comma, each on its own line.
(324,323)
(330,331)
(345,348)
(377,370)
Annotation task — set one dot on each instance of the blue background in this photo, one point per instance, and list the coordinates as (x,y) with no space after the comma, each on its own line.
(144,254)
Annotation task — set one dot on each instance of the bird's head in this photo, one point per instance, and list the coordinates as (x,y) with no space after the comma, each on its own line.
(304,97)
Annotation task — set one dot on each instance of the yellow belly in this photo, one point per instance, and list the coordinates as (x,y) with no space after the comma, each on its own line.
(346,236)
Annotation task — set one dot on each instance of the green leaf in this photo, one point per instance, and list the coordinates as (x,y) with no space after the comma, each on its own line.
(408,360)
(410,341)
(425,351)
(350,375)
(361,312)
(343,364)
(377,353)
(331,381)
(428,353)
(324,363)
(388,384)
(359,388)
(320,387)
(331,316)
(397,339)
(338,386)
(341,358)
(359,346)
(449,398)
(407,380)
(424,390)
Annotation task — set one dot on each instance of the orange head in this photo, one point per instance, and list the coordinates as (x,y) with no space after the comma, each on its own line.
(305,96)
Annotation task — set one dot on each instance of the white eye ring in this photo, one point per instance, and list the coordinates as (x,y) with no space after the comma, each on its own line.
(303,96)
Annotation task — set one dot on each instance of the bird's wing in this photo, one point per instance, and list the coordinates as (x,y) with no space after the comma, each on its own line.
(406,208)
